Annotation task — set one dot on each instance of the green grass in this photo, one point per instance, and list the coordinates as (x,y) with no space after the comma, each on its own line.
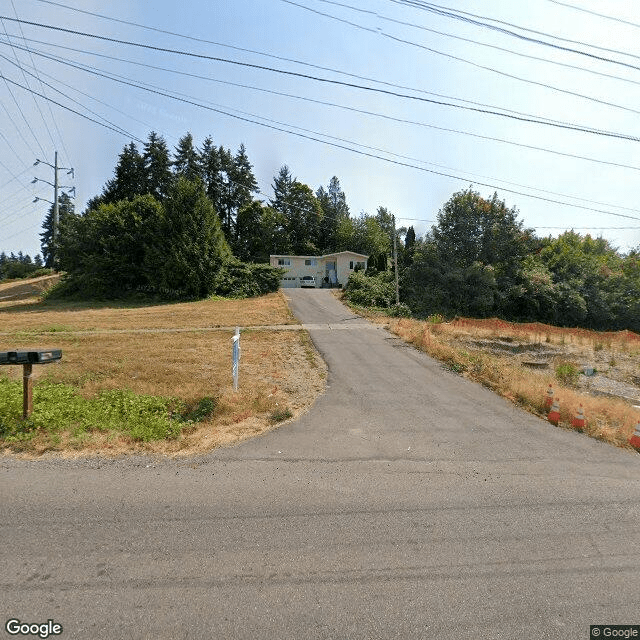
(280,415)
(567,373)
(60,410)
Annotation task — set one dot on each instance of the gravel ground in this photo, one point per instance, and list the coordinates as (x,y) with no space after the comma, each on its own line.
(616,373)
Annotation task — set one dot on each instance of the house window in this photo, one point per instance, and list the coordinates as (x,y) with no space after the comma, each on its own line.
(284,262)
(311,263)
(359,265)
(351,264)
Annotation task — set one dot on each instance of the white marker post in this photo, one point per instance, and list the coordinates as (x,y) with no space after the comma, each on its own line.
(236,358)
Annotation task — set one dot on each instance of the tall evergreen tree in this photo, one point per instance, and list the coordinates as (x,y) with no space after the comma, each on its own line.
(409,246)
(253,234)
(190,247)
(224,203)
(129,178)
(157,166)
(301,212)
(243,182)
(66,209)
(186,160)
(334,207)
(211,169)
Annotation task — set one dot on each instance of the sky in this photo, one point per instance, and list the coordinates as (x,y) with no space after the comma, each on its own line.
(537,101)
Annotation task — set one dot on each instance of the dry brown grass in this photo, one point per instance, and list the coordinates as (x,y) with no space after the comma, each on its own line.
(537,332)
(56,316)
(23,289)
(278,369)
(609,419)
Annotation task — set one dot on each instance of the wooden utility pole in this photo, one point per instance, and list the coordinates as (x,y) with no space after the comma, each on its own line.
(395,260)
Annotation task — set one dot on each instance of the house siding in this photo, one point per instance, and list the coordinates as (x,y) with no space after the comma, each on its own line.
(345,262)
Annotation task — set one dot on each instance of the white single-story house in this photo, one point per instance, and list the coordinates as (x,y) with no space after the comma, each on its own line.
(332,269)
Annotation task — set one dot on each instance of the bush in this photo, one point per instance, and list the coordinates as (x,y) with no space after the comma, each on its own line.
(400,310)
(244,280)
(567,373)
(371,291)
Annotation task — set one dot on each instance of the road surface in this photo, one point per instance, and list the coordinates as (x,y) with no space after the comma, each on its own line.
(408,503)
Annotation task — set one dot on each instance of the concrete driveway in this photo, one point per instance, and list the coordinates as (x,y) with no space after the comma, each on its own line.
(408,503)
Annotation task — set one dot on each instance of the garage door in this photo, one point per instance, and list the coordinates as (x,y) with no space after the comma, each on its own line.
(288,283)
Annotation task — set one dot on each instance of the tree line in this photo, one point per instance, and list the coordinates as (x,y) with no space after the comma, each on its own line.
(192,222)
(188,223)
(480,261)
(20,266)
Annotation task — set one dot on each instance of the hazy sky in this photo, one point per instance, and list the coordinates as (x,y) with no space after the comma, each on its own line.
(386,156)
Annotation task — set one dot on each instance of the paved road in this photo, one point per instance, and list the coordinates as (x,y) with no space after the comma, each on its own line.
(408,503)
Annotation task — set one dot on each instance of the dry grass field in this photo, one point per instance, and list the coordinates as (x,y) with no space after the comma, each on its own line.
(170,350)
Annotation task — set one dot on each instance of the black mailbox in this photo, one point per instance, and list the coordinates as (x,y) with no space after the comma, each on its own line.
(27,359)
(30,357)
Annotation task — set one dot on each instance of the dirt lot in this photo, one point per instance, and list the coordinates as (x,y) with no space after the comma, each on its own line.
(608,364)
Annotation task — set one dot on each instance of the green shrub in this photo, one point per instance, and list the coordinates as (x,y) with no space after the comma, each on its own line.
(245,280)
(280,415)
(371,291)
(567,373)
(400,310)
(201,410)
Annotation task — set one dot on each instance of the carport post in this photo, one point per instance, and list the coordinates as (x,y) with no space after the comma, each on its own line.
(27,390)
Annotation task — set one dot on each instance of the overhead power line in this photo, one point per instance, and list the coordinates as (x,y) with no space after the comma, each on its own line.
(15,177)
(24,77)
(53,118)
(344,144)
(595,13)
(87,95)
(374,80)
(108,122)
(192,100)
(82,115)
(331,81)
(282,58)
(476,20)
(483,44)
(385,116)
(512,76)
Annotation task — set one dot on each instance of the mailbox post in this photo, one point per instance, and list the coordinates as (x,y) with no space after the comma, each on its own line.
(27,359)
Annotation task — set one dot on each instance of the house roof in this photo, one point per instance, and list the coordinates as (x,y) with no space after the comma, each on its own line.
(326,255)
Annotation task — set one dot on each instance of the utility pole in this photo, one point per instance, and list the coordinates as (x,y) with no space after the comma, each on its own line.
(54,231)
(395,259)
(56,186)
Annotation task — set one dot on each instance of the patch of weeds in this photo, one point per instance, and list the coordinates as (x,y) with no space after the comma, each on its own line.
(567,374)
(280,415)
(598,346)
(59,408)
(456,367)
(435,318)
(309,352)
(613,362)
(201,410)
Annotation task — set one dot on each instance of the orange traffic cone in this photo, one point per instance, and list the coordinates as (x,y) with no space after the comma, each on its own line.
(554,414)
(548,401)
(634,440)
(579,422)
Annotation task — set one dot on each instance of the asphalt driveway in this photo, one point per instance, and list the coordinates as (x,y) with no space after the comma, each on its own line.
(408,503)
